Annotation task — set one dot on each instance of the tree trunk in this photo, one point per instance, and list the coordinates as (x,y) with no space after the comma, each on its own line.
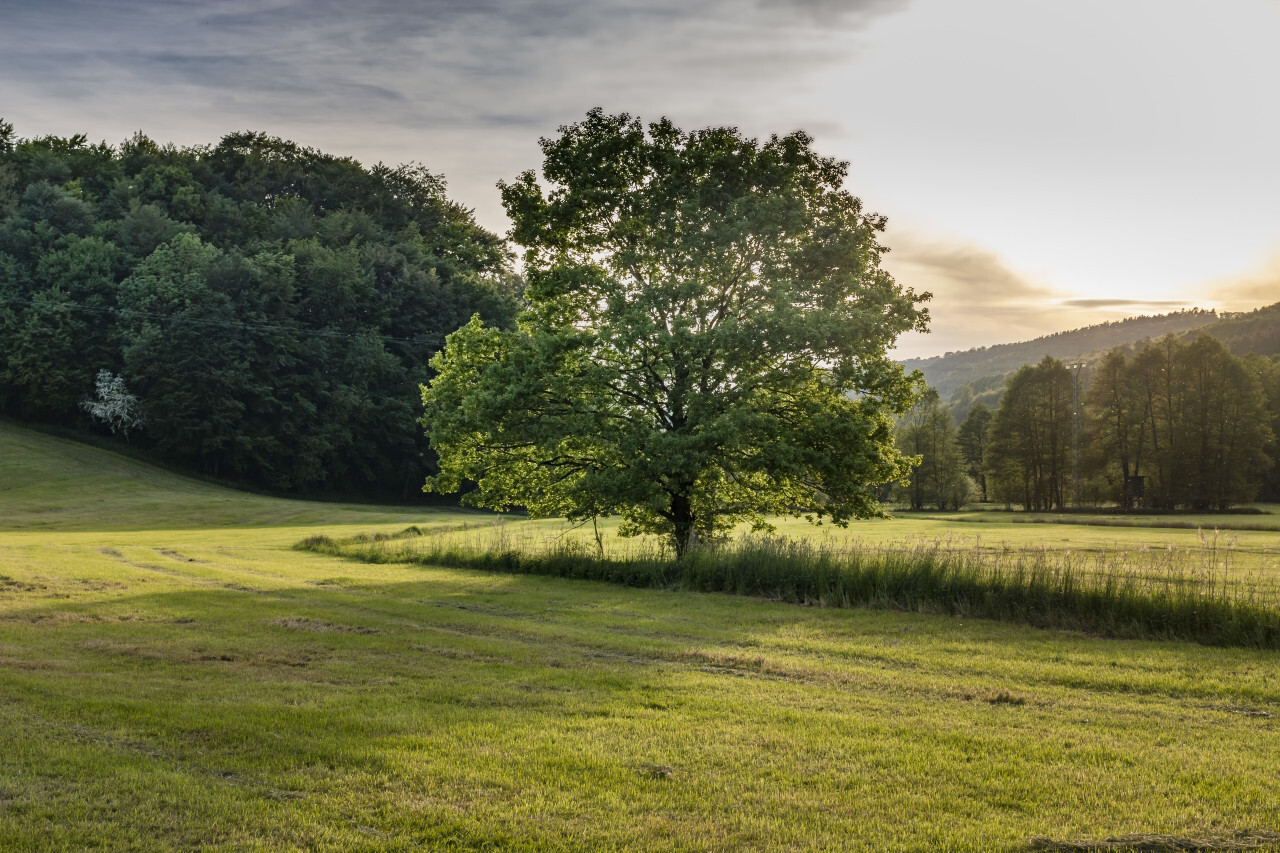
(682,519)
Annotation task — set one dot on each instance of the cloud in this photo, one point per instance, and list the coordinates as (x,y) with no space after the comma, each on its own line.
(448,60)
(1139,304)
(980,274)
(978,298)
(837,12)
(464,86)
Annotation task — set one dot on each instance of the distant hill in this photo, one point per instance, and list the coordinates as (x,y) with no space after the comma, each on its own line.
(1255,332)
(985,365)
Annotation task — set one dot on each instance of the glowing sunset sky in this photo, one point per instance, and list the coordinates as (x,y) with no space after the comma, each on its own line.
(1044,165)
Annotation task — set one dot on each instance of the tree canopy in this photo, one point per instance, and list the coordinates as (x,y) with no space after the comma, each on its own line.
(705,339)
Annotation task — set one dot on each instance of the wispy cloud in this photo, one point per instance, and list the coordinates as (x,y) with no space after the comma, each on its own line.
(976,294)
(1129,304)
(977,274)
(981,119)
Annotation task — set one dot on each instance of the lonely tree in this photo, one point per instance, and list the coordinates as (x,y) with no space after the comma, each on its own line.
(704,343)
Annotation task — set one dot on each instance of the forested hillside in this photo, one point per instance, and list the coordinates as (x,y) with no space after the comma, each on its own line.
(948,373)
(273,308)
(1256,332)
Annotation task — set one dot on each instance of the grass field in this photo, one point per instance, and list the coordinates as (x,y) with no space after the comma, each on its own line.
(174,676)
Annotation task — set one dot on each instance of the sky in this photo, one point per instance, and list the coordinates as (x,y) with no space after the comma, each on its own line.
(1043,165)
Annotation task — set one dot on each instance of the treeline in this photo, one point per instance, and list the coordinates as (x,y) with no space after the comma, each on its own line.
(1178,424)
(1254,332)
(273,308)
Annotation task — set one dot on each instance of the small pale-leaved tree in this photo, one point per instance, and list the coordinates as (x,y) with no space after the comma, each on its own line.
(113,405)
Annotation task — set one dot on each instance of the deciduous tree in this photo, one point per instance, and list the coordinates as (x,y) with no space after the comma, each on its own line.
(704,344)
(928,432)
(1030,453)
(112,404)
(973,438)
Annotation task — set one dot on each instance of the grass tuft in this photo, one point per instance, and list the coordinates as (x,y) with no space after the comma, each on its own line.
(319,543)
(320,626)
(656,771)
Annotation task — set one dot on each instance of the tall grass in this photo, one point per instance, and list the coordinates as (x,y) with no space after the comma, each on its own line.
(1186,594)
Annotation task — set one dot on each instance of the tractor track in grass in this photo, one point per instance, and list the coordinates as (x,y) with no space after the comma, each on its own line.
(872,673)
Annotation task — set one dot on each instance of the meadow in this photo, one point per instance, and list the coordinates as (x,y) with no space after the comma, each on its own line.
(175,674)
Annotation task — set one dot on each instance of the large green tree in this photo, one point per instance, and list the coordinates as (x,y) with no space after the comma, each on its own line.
(973,438)
(1267,372)
(1205,419)
(704,341)
(938,479)
(1117,427)
(1224,426)
(1029,456)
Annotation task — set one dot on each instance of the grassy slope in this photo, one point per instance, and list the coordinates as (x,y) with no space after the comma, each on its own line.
(172,676)
(56,484)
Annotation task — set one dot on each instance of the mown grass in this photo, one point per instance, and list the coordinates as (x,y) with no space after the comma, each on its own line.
(202,686)
(1166,594)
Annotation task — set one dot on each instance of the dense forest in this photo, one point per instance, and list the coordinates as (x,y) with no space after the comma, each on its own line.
(1174,424)
(265,311)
